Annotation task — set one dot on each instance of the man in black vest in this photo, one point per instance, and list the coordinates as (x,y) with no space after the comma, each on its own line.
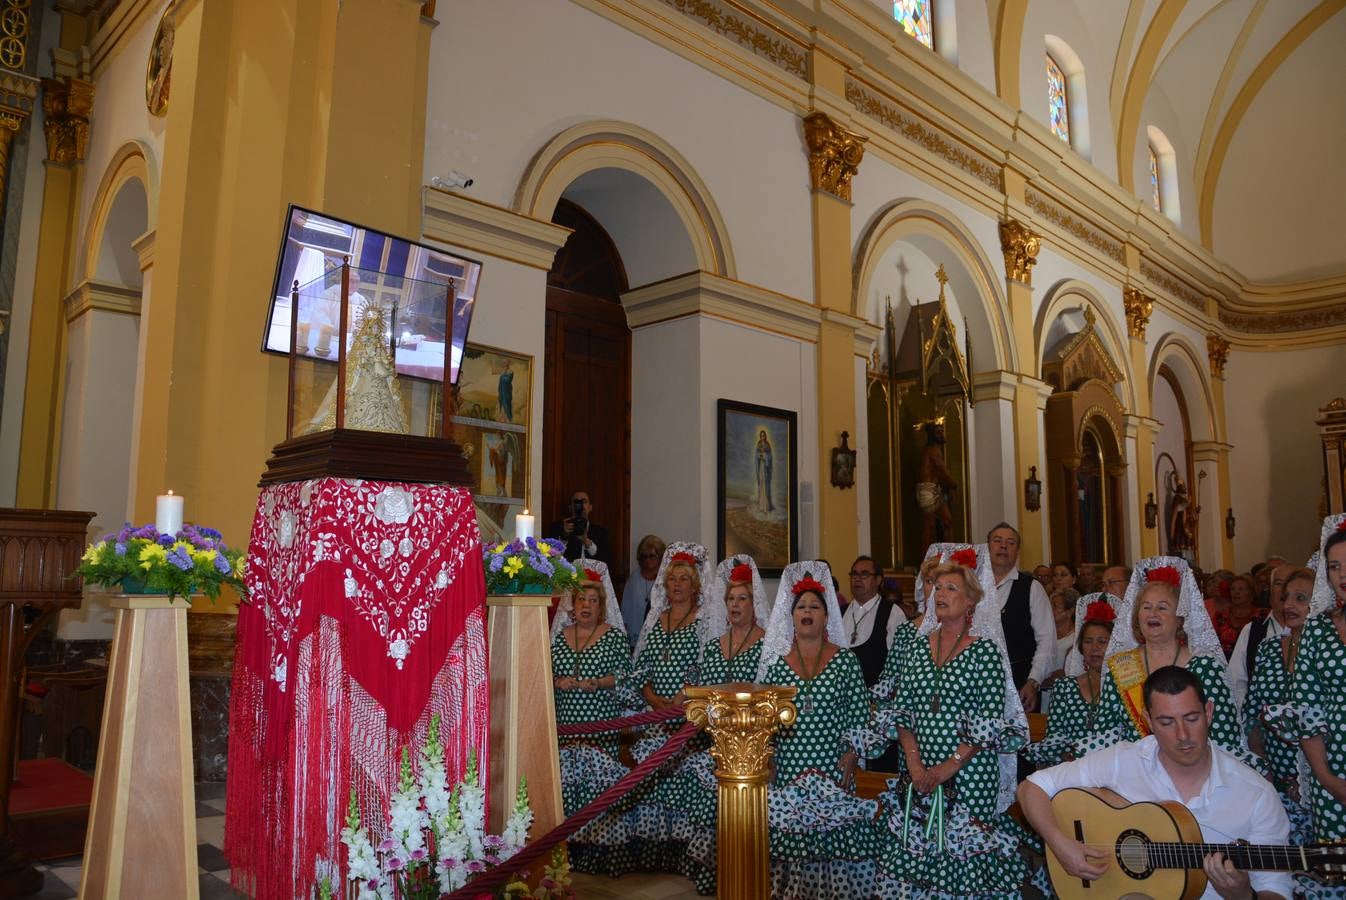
(868,625)
(1025,614)
(1245,648)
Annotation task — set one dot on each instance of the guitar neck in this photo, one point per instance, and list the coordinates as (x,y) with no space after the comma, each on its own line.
(1244,856)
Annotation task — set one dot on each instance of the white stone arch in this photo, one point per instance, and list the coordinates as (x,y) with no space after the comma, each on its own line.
(131,167)
(972,275)
(610,144)
(1188,366)
(1071,293)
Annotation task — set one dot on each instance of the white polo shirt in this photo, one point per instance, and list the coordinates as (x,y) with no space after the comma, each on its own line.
(1235,803)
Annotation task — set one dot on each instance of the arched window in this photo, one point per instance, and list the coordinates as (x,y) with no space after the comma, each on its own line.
(1067,95)
(916,19)
(1058,101)
(1154,178)
(1163,174)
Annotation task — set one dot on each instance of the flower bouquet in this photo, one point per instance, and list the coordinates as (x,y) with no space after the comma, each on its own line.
(141,560)
(528,566)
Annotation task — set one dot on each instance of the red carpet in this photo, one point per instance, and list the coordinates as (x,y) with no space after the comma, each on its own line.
(45,785)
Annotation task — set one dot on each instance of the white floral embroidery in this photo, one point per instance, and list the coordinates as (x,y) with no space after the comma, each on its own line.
(278,669)
(285,528)
(405,546)
(398,649)
(386,548)
(305,493)
(442,579)
(352,588)
(394,506)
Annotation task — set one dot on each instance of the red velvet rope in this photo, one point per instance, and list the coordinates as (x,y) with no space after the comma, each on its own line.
(666,714)
(498,877)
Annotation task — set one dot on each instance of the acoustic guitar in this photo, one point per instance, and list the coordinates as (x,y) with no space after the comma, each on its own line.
(1157,851)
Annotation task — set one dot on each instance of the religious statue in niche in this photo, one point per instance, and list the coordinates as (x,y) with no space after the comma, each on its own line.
(843,463)
(159,66)
(936,488)
(373,395)
(1182,521)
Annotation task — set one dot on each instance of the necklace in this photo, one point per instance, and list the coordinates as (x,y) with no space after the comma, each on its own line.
(668,634)
(741,647)
(939,664)
(1145,652)
(1292,652)
(806,700)
(581,646)
(859,620)
(1091,701)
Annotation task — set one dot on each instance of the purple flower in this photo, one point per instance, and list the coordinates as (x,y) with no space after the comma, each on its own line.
(179,557)
(386,845)
(493,842)
(476,865)
(395,864)
(147,532)
(418,854)
(497,563)
(210,533)
(544,567)
(222,564)
(120,548)
(166,540)
(558,548)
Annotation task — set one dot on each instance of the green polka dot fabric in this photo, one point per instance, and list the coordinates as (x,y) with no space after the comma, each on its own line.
(872,739)
(743,666)
(1320,704)
(979,857)
(1071,722)
(609,655)
(1270,686)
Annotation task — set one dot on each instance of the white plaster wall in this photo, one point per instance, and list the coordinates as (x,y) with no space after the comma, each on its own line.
(995,489)
(975,55)
(751,366)
(506,76)
(1276,466)
(96,441)
(1096,51)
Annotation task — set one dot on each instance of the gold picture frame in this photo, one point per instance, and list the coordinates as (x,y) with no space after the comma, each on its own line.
(159,65)
(492,423)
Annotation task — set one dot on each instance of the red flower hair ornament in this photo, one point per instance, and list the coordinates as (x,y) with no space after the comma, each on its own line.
(591,575)
(965,557)
(1165,574)
(683,556)
(808,584)
(1341,526)
(741,573)
(1099,611)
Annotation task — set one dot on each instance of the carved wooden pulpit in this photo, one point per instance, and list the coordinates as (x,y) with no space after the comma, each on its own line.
(39,548)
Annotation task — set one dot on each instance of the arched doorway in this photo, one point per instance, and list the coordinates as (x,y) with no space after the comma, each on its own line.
(587,384)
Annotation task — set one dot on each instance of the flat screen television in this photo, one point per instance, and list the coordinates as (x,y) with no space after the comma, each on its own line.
(409,278)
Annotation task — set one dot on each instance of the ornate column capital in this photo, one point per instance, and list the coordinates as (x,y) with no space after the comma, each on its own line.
(1020,245)
(1138,308)
(18,92)
(741,719)
(67,103)
(1217,348)
(834,154)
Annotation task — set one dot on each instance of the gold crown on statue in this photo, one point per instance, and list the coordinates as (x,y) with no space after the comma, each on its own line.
(937,420)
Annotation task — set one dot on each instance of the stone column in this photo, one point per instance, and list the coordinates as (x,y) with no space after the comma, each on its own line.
(1138,308)
(741,718)
(1332,431)
(1218,350)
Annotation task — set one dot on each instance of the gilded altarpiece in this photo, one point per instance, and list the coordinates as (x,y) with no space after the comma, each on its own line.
(1086,451)
(917,398)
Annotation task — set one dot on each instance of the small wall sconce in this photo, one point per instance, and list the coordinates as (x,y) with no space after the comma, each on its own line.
(1151,513)
(1229,523)
(1032,490)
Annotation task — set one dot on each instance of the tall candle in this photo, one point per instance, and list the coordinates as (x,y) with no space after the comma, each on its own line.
(168,513)
(524,525)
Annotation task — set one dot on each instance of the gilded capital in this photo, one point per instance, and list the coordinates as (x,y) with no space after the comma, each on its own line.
(834,154)
(1218,350)
(1138,308)
(1020,245)
(741,718)
(67,103)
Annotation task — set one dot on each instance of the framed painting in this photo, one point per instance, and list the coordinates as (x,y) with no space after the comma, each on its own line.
(492,424)
(757,473)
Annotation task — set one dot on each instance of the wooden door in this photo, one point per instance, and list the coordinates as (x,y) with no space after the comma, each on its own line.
(586,441)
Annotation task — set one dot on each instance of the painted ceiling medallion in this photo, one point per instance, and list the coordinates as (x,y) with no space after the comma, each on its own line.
(159,66)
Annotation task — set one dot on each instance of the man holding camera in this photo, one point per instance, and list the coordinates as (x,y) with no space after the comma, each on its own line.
(582,537)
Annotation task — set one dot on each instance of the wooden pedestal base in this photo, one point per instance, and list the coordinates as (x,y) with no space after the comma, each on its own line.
(142,824)
(523,711)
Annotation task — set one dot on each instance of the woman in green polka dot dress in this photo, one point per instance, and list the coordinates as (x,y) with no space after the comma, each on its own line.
(823,842)
(946,833)
(1316,714)
(1163,621)
(1273,674)
(589,658)
(733,657)
(670,655)
(1073,716)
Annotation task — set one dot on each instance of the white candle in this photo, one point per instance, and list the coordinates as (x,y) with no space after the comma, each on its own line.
(524,525)
(168,513)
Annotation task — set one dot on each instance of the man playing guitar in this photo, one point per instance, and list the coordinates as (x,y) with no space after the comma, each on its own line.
(1176,762)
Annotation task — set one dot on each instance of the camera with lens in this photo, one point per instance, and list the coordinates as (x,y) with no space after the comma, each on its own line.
(578,522)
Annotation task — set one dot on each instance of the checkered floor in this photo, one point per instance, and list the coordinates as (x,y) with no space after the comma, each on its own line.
(61,876)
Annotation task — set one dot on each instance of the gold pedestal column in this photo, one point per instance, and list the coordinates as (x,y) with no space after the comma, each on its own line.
(741,718)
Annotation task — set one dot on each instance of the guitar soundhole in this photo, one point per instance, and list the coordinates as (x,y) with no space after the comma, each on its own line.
(1133,854)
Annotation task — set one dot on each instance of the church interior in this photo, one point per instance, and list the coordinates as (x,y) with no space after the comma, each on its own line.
(1051,263)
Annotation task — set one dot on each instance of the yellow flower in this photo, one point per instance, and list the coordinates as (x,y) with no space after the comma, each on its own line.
(499,548)
(239,565)
(513,565)
(90,553)
(543,549)
(150,554)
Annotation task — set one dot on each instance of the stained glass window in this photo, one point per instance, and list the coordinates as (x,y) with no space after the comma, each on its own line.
(914,17)
(1056,100)
(1154,177)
